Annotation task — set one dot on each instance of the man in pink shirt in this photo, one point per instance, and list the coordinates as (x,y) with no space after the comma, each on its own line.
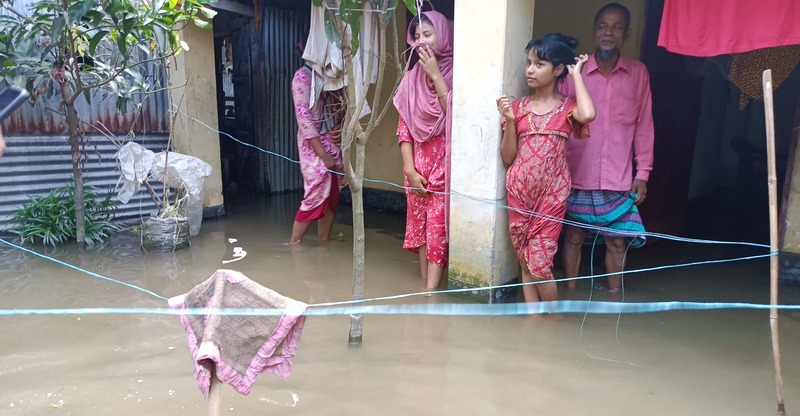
(610,169)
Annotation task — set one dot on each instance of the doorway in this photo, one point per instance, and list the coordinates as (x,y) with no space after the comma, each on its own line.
(709,178)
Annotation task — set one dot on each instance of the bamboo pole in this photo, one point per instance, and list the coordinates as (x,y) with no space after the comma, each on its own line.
(214,394)
(772,182)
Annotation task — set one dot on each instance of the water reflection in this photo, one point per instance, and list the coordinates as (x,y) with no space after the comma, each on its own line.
(709,362)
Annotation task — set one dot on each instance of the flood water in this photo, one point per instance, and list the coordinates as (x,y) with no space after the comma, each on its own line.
(668,363)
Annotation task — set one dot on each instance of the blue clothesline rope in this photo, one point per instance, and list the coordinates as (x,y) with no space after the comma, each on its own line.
(404,295)
(441,309)
(492,202)
(338,307)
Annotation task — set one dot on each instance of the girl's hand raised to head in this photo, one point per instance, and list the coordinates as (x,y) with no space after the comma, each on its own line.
(428,61)
(580,61)
(504,108)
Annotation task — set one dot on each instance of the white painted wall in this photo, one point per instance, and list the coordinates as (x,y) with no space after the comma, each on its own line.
(488,61)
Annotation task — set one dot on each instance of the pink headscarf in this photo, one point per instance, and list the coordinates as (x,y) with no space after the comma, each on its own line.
(416,99)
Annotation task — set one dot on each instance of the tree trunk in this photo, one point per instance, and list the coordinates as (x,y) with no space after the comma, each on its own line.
(77,174)
(357,190)
(352,128)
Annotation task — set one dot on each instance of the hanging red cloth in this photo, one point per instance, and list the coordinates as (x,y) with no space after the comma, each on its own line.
(716,27)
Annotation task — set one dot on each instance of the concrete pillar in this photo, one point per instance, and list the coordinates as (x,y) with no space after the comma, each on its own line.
(198,99)
(489,61)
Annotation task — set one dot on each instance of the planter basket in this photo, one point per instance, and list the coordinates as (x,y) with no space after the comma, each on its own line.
(165,234)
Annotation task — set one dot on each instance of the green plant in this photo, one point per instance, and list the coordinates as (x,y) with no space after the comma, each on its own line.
(51,219)
(92,49)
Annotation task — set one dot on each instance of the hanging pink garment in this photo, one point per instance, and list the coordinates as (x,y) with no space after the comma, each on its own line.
(717,27)
(240,347)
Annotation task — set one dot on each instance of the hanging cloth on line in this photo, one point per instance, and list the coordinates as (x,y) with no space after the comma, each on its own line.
(717,27)
(326,60)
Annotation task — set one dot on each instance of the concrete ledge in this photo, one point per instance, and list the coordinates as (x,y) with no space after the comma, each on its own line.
(789,268)
(214,212)
(499,295)
(379,199)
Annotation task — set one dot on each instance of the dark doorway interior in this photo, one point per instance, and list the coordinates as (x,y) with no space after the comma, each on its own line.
(256,56)
(234,100)
(710,174)
(676,102)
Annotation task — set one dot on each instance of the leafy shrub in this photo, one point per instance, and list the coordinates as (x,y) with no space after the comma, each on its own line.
(51,219)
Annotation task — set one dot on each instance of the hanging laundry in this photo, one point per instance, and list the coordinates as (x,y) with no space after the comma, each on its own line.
(326,60)
(747,69)
(240,347)
(717,27)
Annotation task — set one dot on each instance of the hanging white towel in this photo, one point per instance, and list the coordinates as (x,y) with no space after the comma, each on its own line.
(326,60)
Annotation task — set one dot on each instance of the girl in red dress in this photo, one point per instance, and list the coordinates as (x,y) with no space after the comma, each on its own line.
(423,100)
(536,130)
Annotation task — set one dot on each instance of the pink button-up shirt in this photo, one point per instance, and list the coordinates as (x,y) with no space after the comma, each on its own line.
(622,132)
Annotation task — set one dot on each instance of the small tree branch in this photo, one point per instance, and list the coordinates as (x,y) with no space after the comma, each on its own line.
(373,119)
(357,106)
(72,62)
(120,70)
(398,68)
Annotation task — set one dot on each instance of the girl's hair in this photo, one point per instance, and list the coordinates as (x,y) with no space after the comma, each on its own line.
(418,19)
(555,48)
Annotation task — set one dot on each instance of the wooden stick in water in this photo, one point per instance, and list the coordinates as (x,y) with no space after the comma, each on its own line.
(214,394)
(772,182)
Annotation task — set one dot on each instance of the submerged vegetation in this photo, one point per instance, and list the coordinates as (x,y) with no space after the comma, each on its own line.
(51,219)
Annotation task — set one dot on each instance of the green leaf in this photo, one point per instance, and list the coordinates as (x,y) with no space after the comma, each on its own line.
(174,40)
(123,47)
(331,31)
(78,10)
(127,25)
(411,5)
(96,40)
(57,29)
(354,20)
(202,24)
(95,17)
(317,3)
(208,13)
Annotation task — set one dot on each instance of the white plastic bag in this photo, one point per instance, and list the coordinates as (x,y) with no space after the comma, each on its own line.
(190,172)
(134,163)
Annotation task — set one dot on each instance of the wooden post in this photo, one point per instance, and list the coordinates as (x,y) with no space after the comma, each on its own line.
(772,182)
(214,394)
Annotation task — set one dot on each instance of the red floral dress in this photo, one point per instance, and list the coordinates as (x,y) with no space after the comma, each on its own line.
(538,182)
(426,216)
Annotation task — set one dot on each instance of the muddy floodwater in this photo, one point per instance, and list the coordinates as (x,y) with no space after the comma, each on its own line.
(668,363)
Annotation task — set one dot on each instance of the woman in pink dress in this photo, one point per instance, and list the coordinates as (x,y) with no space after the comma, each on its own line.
(318,137)
(536,130)
(423,100)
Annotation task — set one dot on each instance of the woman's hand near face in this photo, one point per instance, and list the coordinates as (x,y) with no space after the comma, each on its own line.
(428,61)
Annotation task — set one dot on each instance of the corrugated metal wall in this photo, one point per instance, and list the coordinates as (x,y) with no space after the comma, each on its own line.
(152,116)
(43,118)
(281,31)
(38,159)
(35,165)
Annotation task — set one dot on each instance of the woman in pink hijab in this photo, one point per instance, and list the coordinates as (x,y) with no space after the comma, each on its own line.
(423,100)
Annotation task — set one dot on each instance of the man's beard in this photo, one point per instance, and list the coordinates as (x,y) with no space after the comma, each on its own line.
(606,55)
